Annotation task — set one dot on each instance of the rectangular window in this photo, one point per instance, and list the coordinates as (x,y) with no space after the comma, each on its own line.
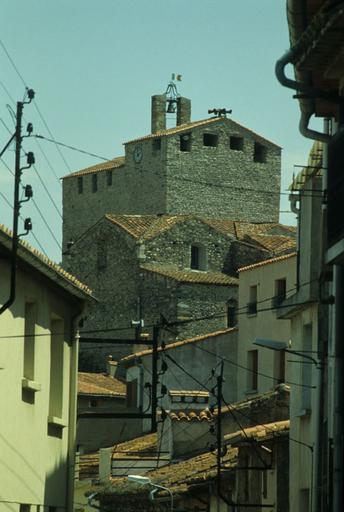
(24,508)
(252,304)
(279,365)
(56,367)
(101,255)
(132,393)
(29,340)
(210,139)
(185,142)
(252,370)
(236,143)
(194,264)
(109,178)
(231,316)
(280,292)
(156,144)
(306,368)
(94,182)
(259,154)
(80,185)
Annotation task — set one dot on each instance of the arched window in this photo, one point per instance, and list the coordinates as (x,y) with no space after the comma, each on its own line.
(198,257)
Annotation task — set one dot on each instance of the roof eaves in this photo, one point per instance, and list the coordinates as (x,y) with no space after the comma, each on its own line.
(268,262)
(46,266)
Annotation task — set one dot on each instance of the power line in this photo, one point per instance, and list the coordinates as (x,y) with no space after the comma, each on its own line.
(46,224)
(73,148)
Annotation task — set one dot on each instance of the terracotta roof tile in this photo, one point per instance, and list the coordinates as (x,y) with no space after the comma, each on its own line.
(139,445)
(191,276)
(43,263)
(258,432)
(100,384)
(204,415)
(176,344)
(176,476)
(88,466)
(196,124)
(145,227)
(268,262)
(115,163)
(186,393)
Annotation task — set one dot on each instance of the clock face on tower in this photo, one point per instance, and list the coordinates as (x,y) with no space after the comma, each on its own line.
(138,154)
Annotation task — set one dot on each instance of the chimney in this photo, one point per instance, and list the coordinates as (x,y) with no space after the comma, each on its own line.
(158,112)
(183,110)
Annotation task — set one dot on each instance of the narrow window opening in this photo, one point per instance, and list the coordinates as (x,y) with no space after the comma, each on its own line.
(132,393)
(280,366)
(236,143)
(198,257)
(24,508)
(109,178)
(210,139)
(93,403)
(80,185)
(280,292)
(259,154)
(94,183)
(185,142)
(252,370)
(101,255)
(231,315)
(252,304)
(156,144)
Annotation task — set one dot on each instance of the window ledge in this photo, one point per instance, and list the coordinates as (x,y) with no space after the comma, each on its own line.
(58,422)
(31,385)
(251,392)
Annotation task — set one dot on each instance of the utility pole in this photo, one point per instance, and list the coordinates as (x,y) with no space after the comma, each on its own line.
(219,382)
(16,204)
(156,330)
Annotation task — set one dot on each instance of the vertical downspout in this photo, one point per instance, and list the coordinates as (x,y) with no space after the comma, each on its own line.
(73,389)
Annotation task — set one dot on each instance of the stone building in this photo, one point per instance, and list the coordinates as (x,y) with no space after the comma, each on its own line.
(235,171)
(181,267)
(150,231)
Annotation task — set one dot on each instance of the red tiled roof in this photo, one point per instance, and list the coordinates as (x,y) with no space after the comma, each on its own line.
(177,344)
(115,163)
(43,264)
(100,384)
(268,262)
(258,432)
(197,124)
(191,276)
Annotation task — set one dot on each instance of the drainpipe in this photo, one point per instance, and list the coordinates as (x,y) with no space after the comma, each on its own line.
(308,90)
(74,354)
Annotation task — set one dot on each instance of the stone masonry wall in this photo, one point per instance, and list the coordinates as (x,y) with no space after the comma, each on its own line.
(223,182)
(217,182)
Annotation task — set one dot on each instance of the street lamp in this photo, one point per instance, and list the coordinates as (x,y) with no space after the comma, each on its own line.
(144,480)
(282,345)
(315,470)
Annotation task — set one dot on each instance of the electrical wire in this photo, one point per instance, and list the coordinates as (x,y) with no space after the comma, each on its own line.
(72,148)
(46,223)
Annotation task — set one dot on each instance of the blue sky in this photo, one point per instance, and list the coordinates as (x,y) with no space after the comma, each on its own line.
(95,65)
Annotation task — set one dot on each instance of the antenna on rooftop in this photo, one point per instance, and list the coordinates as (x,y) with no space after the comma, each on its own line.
(219,112)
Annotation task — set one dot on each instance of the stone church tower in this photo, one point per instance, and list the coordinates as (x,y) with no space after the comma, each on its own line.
(163,229)
(214,168)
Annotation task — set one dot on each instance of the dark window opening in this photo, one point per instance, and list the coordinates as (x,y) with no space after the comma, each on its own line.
(231,315)
(210,139)
(132,393)
(198,259)
(80,185)
(109,178)
(252,367)
(280,292)
(101,255)
(93,403)
(259,154)
(156,144)
(94,183)
(236,143)
(280,366)
(252,304)
(185,142)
